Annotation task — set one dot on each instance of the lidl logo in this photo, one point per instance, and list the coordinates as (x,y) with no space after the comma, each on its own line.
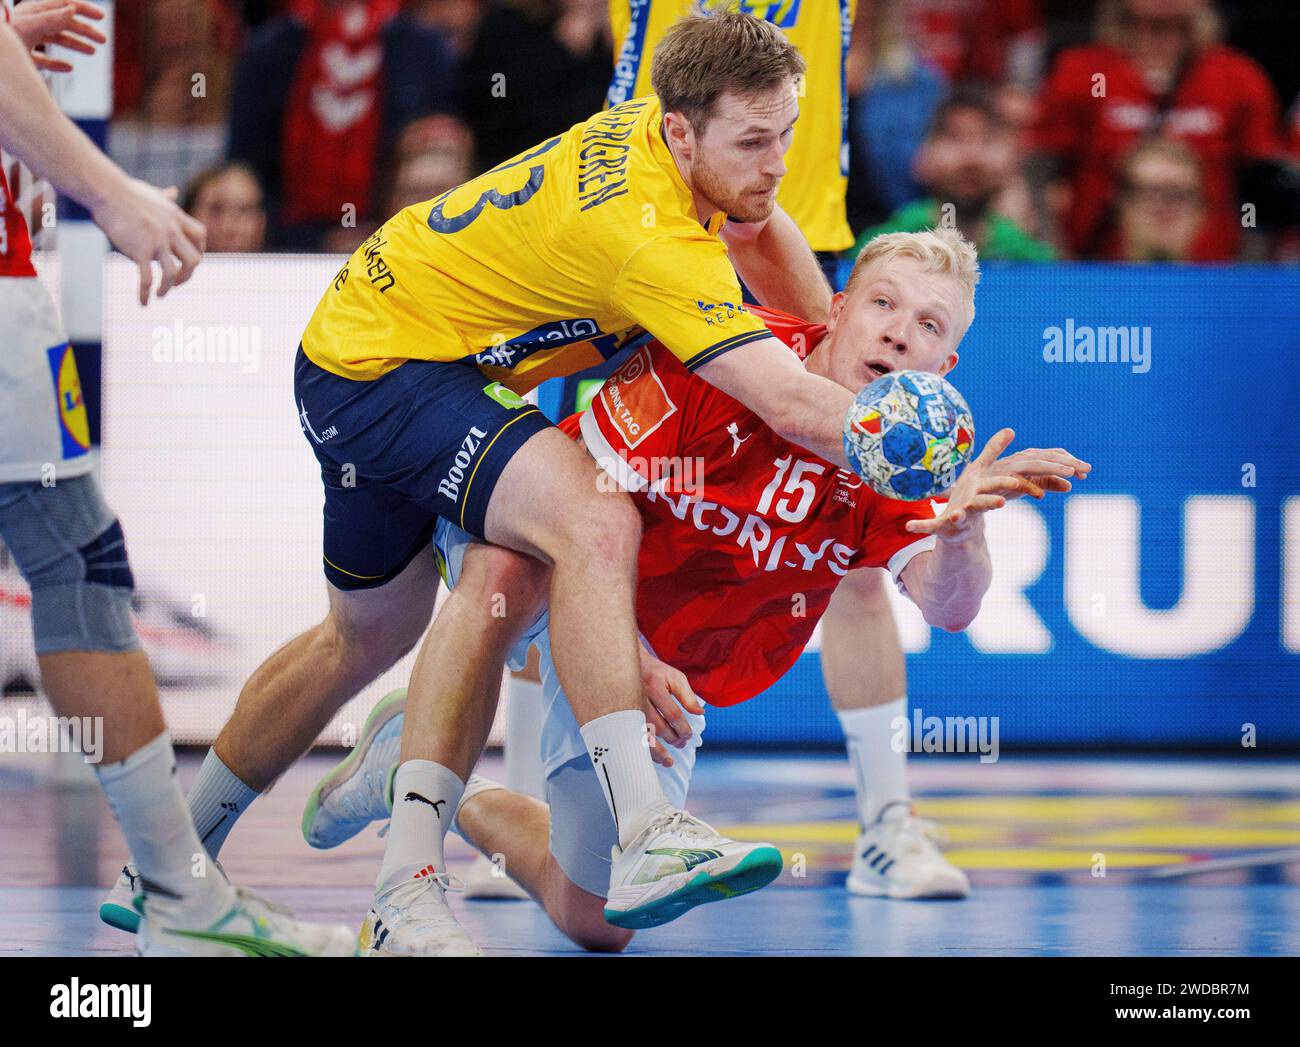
(505,397)
(74,423)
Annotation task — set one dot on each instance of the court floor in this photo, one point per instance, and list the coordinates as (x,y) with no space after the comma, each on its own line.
(1099,856)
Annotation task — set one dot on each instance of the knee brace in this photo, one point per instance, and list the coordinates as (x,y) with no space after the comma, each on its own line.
(71,551)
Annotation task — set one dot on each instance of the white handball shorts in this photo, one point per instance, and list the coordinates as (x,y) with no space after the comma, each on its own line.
(44,428)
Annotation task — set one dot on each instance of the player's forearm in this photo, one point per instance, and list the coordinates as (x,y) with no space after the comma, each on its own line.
(34,130)
(949,582)
(779,267)
(768,378)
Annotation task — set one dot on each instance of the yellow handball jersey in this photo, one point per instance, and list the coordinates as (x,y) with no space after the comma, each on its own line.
(542,266)
(813,190)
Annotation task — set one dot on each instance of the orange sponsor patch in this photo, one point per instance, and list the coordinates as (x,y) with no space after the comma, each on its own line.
(635,400)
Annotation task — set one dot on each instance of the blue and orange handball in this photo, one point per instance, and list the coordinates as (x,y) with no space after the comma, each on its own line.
(909,435)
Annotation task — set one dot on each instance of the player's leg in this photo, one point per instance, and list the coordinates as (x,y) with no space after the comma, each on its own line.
(70,549)
(516,832)
(524,773)
(551,502)
(896,854)
(294,694)
(291,697)
(524,707)
(450,708)
(536,491)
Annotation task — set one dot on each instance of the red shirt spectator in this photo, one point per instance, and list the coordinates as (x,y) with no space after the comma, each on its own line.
(992,41)
(1222,106)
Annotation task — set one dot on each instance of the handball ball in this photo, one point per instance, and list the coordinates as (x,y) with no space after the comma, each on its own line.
(909,435)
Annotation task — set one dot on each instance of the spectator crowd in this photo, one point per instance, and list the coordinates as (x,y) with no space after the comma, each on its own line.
(1124,130)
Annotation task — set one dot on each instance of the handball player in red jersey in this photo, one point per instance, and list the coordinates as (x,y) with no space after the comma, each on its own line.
(745,538)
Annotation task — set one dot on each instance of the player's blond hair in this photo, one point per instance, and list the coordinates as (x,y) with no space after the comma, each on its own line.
(940,250)
(702,57)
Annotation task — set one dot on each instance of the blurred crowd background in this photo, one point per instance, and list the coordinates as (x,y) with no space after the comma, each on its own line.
(301,125)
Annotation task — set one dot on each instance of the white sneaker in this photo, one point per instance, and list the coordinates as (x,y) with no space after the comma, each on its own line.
(485,880)
(235,922)
(676,862)
(358,791)
(118,908)
(413,919)
(897,856)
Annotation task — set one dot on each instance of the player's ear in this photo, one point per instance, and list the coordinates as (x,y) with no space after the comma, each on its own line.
(837,310)
(948,364)
(677,129)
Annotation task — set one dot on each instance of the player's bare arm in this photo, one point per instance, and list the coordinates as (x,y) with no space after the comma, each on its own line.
(142,222)
(771,381)
(778,266)
(949,582)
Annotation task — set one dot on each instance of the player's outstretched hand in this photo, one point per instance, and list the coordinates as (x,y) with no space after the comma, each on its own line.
(667,693)
(145,224)
(41,22)
(989,482)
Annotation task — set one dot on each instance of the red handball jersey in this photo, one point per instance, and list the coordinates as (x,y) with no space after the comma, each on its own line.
(745,535)
(1224,108)
(15,244)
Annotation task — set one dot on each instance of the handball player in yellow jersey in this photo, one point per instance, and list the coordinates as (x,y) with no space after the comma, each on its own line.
(409,388)
(862,660)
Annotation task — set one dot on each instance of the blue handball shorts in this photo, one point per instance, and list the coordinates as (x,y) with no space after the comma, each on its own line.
(426,440)
(582,828)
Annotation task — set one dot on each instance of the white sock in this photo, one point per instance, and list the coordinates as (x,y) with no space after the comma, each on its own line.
(425,797)
(879,773)
(146,800)
(217,799)
(475,785)
(617,746)
(524,705)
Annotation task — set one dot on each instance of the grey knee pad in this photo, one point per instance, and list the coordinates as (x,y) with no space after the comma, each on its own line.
(69,547)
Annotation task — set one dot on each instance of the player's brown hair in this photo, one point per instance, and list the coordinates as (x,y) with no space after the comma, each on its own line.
(702,57)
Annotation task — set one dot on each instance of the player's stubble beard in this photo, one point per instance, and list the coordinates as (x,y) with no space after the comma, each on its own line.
(740,205)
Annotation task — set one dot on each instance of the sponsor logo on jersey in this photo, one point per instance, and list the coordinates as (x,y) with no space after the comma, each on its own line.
(627,64)
(505,397)
(449,486)
(717,314)
(635,400)
(781,13)
(550,335)
(74,422)
(753,532)
(846,482)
